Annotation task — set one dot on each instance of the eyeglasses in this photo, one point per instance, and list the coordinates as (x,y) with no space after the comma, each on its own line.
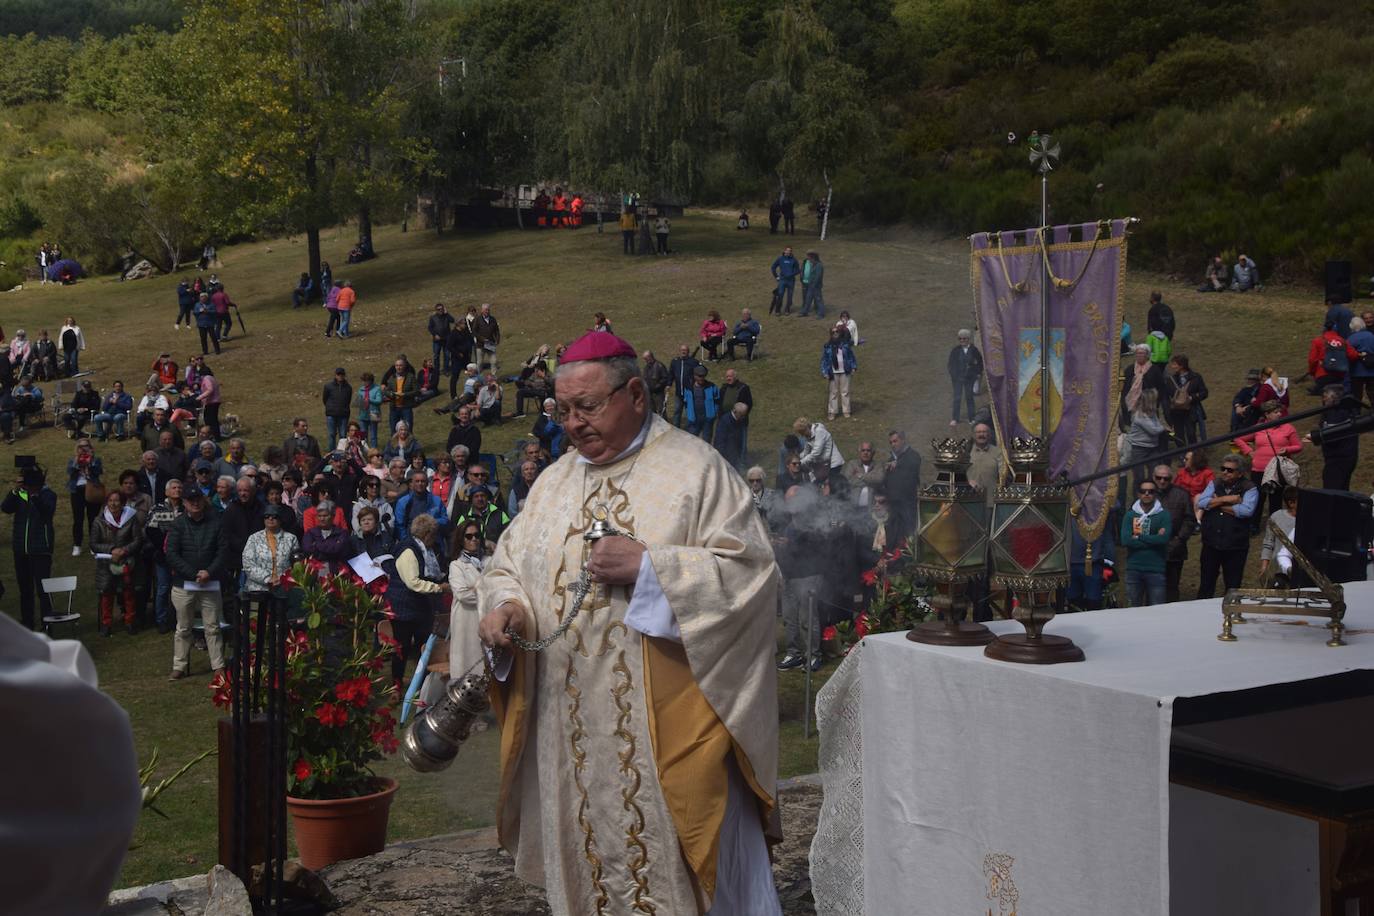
(1229,470)
(482,474)
(1163,477)
(589,410)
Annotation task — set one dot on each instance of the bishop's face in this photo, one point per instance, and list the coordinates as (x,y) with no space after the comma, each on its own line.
(600,418)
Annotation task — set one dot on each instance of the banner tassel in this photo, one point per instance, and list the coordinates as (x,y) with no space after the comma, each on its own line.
(1088,559)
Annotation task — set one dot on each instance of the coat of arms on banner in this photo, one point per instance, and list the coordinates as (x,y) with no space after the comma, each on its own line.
(1028,399)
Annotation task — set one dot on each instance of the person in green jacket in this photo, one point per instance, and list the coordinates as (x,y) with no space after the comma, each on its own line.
(33,506)
(1145,533)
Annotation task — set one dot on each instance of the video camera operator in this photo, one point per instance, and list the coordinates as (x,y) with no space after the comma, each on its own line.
(33,506)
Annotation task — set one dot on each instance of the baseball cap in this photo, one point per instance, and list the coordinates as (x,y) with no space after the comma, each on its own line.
(203,464)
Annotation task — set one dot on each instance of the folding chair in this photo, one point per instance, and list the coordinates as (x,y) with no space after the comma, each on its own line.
(63,392)
(56,586)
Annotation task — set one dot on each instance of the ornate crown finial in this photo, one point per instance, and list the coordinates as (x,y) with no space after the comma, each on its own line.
(952,454)
(1030,453)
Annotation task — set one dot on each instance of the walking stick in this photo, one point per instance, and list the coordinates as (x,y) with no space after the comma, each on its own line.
(240,317)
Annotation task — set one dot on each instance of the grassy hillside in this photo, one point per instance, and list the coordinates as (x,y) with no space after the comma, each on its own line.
(908,292)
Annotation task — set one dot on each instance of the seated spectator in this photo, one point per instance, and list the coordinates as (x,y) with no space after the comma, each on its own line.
(1215,281)
(371,535)
(325,541)
(28,400)
(395,482)
(601,323)
(85,404)
(712,334)
(489,401)
(427,379)
(370,497)
(153,399)
(520,487)
(304,291)
(9,412)
(164,371)
(43,360)
(792,475)
(484,513)
(442,480)
(20,349)
(1243,409)
(417,502)
(402,444)
(745,334)
(323,494)
(548,430)
(533,384)
(1245,276)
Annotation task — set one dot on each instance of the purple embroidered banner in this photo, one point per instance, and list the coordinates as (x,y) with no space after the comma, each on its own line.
(1087,266)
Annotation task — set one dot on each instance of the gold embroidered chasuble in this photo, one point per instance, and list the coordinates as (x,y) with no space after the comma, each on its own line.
(614,745)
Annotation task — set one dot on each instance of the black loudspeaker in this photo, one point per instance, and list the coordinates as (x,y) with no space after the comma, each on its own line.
(1339,282)
(1334,532)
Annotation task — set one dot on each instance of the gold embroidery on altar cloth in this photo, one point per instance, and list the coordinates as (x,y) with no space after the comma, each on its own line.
(643,902)
(579,755)
(1001,887)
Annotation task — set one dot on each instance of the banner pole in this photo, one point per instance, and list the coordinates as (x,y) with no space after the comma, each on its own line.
(1044,309)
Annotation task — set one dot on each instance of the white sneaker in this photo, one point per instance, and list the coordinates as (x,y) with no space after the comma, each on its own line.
(76,550)
(176,327)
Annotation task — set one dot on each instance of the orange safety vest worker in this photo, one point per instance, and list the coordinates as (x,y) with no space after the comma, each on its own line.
(560,209)
(576,207)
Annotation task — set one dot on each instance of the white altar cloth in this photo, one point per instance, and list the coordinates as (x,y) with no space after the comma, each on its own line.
(956,785)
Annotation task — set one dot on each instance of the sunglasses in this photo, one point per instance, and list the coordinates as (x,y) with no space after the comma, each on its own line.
(1229,470)
(1163,477)
(471,537)
(1143,491)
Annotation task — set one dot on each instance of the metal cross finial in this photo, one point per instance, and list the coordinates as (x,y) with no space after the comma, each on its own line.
(1044,151)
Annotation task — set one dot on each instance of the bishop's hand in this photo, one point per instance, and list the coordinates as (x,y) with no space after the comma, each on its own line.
(508,615)
(615,560)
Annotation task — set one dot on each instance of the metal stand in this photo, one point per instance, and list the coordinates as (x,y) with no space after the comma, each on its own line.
(810,629)
(257,733)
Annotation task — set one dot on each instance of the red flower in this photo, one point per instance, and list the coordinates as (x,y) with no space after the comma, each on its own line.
(316,566)
(377,587)
(288,581)
(870,577)
(388,641)
(355,691)
(222,690)
(296,643)
(332,715)
(303,769)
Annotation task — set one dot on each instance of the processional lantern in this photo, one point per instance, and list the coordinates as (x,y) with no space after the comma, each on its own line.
(1030,556)
(951,546)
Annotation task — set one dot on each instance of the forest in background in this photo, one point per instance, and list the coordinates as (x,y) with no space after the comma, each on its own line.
(153,125)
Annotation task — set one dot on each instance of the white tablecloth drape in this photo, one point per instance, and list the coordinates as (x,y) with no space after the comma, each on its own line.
(955,784)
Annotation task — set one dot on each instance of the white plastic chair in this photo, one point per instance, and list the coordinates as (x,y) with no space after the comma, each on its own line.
(56,586)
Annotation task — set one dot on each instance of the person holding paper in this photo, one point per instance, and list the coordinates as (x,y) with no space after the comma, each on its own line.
(416,592)
(372,537)
(117,542)
(195,555)
(268,553)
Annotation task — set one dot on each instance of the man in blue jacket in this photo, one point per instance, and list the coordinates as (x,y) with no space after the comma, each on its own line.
(419,501)
(785,270)
(114,411)
(33,506)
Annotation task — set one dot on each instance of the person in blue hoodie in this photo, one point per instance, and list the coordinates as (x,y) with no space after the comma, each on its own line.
(114,412)
(1145,533)
(701,402)
(785,270)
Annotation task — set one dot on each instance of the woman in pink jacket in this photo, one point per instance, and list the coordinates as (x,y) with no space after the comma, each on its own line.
(1266,445)
(713,332)
(209,400)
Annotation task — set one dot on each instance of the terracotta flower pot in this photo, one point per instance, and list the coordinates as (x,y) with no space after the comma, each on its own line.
(329,830)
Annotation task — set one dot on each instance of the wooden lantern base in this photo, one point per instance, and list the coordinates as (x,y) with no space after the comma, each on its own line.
(942,633)
(1023,650)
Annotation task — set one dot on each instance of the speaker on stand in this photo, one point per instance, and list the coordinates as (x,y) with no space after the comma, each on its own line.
(1334,531)
(1340,287)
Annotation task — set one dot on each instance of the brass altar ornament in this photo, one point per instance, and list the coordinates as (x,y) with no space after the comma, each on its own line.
(1030,556)
(1326,600)
(950,546)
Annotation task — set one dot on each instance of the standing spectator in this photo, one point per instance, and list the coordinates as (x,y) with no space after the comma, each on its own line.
(729,435)
(1195,474)
(661,228)
(1339,455)
(785,270)
(416,592)
(268,552)
(224,322)
(114,413)
(812,281)
(767,501)
(817,447)
(1160,317)
(401,388)
(1145,532)
(1287,520)
(209,399)
(459,346)
(338,400)
(117,542)
(1245,276)
(234,462)
(1273,387)
(702,405)
(465,432)
(965,368)
(439,325)
(348,298)
(805,555)
(1141,376)
(1243,412)
(242,519)
(84,470)
(486,332)
(745,334)
(33,506)
(171,459)
(403,444)
(985,471)
(157,424)
(1145,439)
(196,558)
(1330,357)
(789,216)
(548,430)
(1087,582)
(902,483)
(155,536)
(733,392)
(1339,316)
(418,501)
(1362,370)
(300,447)
(1186,413)
(1179,504)
(152,401)
(656,380)
(683,370)
(520,487)
(482,509)
(149,478)
(1227,506)
(369,407)
(186,301)
(1267,446)
(865,475)
(628,225)
(72,342)
(712,334)
(837,365)
(774,216)
(327,541)
(206,324)
(370,497)
(371,535)
(469,558)
(331,305)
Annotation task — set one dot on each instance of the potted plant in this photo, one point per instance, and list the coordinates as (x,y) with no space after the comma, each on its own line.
(339,719)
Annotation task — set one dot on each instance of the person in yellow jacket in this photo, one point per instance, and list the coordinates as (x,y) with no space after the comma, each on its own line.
(628,224)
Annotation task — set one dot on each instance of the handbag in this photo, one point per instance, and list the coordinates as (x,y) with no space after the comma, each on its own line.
(1282,471)
(95,492)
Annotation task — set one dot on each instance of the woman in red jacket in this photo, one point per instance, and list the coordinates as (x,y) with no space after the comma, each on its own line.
(1274,387)
(1264,447)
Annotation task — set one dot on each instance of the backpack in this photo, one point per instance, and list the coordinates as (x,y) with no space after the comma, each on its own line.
(1336,359)
(1161,348)
(1182,399)
(1367,360)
